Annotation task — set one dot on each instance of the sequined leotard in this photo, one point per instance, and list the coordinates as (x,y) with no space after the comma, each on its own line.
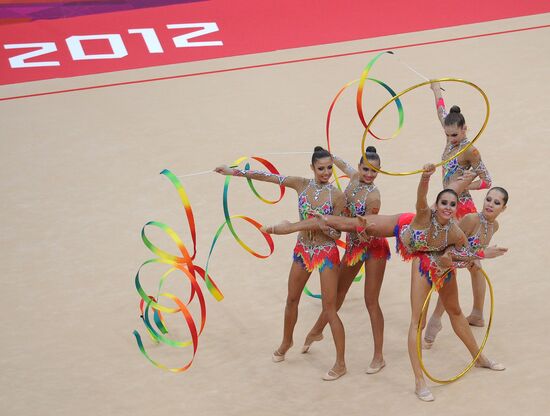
(314,249)
(452,170)
(422,244)
(358,250)
(476,243)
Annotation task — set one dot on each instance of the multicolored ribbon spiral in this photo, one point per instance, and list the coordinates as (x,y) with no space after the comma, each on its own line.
(157,328)
(183,263)
(359,103)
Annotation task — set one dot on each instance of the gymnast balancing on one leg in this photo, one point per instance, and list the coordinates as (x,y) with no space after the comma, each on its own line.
(479,229)
(455,129)
(422,237)
(314,249)
(363,197)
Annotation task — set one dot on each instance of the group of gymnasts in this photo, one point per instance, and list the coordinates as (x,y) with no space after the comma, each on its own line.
(438,239)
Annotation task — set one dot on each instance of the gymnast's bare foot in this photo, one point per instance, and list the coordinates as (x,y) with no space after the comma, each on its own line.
(278,229)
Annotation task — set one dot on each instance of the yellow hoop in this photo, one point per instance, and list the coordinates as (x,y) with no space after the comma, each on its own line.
(487,112)
(419,336)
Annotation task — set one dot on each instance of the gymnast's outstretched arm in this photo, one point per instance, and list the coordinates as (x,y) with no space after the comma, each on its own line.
(295,182)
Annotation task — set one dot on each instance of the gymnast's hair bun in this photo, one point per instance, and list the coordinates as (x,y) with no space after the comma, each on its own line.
(455,117)
(370,149)
(319,153)
(455,109)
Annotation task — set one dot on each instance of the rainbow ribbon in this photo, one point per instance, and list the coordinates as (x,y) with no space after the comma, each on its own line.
(183,263)
(228,218)
(359,98)
(359,104)
(157,329)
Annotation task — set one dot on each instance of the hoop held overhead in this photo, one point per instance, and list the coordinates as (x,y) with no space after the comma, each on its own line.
(463,81)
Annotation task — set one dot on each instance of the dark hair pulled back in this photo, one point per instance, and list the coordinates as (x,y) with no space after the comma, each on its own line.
(370,154)
(443,192)
(455,117)
(503,191)
(319,153)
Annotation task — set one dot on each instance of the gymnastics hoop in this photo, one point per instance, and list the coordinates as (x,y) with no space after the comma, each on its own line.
(463,81)
(419,336)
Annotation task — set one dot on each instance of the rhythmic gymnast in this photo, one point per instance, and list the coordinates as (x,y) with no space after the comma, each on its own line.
(314,249)
(363,197)
(454,126)
(423,237)
(479,228)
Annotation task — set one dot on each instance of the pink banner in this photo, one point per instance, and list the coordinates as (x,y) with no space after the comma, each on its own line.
(192,31)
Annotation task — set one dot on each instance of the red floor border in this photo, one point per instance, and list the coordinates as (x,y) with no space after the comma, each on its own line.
(317,58)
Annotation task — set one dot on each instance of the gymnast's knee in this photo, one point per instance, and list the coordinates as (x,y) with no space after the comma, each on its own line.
(453,310)
(292,301)
(372,304)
